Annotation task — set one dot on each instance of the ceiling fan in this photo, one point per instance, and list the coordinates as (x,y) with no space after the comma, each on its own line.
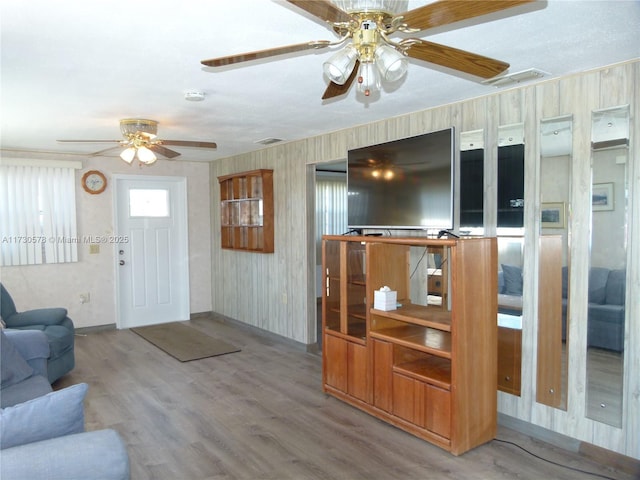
(140,140)
(365,26)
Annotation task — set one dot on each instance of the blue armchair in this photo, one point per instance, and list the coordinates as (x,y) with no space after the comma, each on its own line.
(55,324)
(42,431)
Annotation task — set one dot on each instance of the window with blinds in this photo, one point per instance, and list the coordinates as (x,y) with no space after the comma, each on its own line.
(37,212)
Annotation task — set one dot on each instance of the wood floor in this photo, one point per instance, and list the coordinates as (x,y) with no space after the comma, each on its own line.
(261,414)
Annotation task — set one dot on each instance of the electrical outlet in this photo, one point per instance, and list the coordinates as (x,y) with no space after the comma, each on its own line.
(94,248)
(284,298)
(85,297)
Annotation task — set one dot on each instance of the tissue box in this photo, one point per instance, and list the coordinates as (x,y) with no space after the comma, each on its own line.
(385,300)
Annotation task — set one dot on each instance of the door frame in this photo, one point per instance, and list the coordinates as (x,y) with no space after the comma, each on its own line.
(183,210)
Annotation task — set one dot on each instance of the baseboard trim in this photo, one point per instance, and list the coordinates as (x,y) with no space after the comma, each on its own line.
(311,348)
(592,452)
(98,328)
(615,460)
(557,439)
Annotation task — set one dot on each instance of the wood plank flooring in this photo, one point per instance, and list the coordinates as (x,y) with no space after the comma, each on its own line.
(261,414)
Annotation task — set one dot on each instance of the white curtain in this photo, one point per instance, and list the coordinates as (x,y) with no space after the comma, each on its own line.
(331,206)
(37,214)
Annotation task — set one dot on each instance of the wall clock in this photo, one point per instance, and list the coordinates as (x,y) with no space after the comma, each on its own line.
(94,182)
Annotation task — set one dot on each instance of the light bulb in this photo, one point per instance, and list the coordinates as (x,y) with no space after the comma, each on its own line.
(146,156)
(128,154)
(392,64)
(339,67)
(368,79)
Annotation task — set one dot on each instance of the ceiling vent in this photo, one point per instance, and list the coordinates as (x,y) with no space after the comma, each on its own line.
(268,141)
(516,78)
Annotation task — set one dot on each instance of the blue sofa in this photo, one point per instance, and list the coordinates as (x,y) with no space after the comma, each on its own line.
(55,324)
(42,435)
(606,309)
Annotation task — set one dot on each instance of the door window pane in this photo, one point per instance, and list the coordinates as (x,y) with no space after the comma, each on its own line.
(148,203)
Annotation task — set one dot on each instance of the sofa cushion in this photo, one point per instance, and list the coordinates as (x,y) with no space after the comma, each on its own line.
(53,415)
(98,454)
(39,316)
(14,368)
(616,284)
(60,338)
(512,280)
(598,284)
(33,387)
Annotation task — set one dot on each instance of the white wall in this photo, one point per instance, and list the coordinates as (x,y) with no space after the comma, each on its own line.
(60,285)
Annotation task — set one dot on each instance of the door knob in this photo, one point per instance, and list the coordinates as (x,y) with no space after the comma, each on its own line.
(121,262)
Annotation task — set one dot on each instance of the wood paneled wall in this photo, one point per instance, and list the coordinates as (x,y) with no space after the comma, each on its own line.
(276,291)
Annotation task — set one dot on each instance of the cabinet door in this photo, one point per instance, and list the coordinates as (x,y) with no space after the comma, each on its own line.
(404,401)
(335,362)
(382,374)
(331,286)
(355,290)
(437,413)
(357,378)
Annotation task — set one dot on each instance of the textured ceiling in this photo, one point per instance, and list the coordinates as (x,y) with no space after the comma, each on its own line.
(71,69)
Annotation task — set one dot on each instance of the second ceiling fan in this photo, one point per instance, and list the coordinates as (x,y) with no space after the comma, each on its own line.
(370,55)
(140,141)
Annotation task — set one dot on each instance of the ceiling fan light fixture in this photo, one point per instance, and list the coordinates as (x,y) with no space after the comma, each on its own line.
(390,6)
(128,154)
(131,126)
(339,67)
(146,156)
(368,79)
(393,65)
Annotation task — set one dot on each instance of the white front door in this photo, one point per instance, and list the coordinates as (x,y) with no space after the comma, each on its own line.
(152,257)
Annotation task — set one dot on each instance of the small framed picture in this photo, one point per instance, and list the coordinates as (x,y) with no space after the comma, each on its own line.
(553,215)
(602,197)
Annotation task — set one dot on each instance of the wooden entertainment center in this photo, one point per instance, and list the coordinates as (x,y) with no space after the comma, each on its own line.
(429,366)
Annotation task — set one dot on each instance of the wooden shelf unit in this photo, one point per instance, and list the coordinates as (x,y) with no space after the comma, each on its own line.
(430,370)
(246,211)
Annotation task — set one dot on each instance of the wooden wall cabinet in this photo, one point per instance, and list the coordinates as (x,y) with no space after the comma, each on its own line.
(430,370)
(246,211)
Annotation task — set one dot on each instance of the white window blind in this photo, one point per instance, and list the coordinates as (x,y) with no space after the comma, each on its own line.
(331,206)
(37,213)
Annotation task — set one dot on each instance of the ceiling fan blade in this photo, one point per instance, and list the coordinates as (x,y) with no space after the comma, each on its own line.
(456,59)
(270,52)
(335,90)
(186,143)
(323,9)
(444,12)
(89,141)
(106,150)
(165,152)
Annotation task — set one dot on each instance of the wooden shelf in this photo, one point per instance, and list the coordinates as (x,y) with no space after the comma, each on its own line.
(421,338)
(358,311)
(433,370)
(246,211)
(419,315)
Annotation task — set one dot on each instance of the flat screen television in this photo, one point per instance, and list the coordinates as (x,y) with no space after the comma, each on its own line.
(403,184)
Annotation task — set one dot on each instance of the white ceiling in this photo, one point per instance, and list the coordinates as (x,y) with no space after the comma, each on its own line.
(71,69)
